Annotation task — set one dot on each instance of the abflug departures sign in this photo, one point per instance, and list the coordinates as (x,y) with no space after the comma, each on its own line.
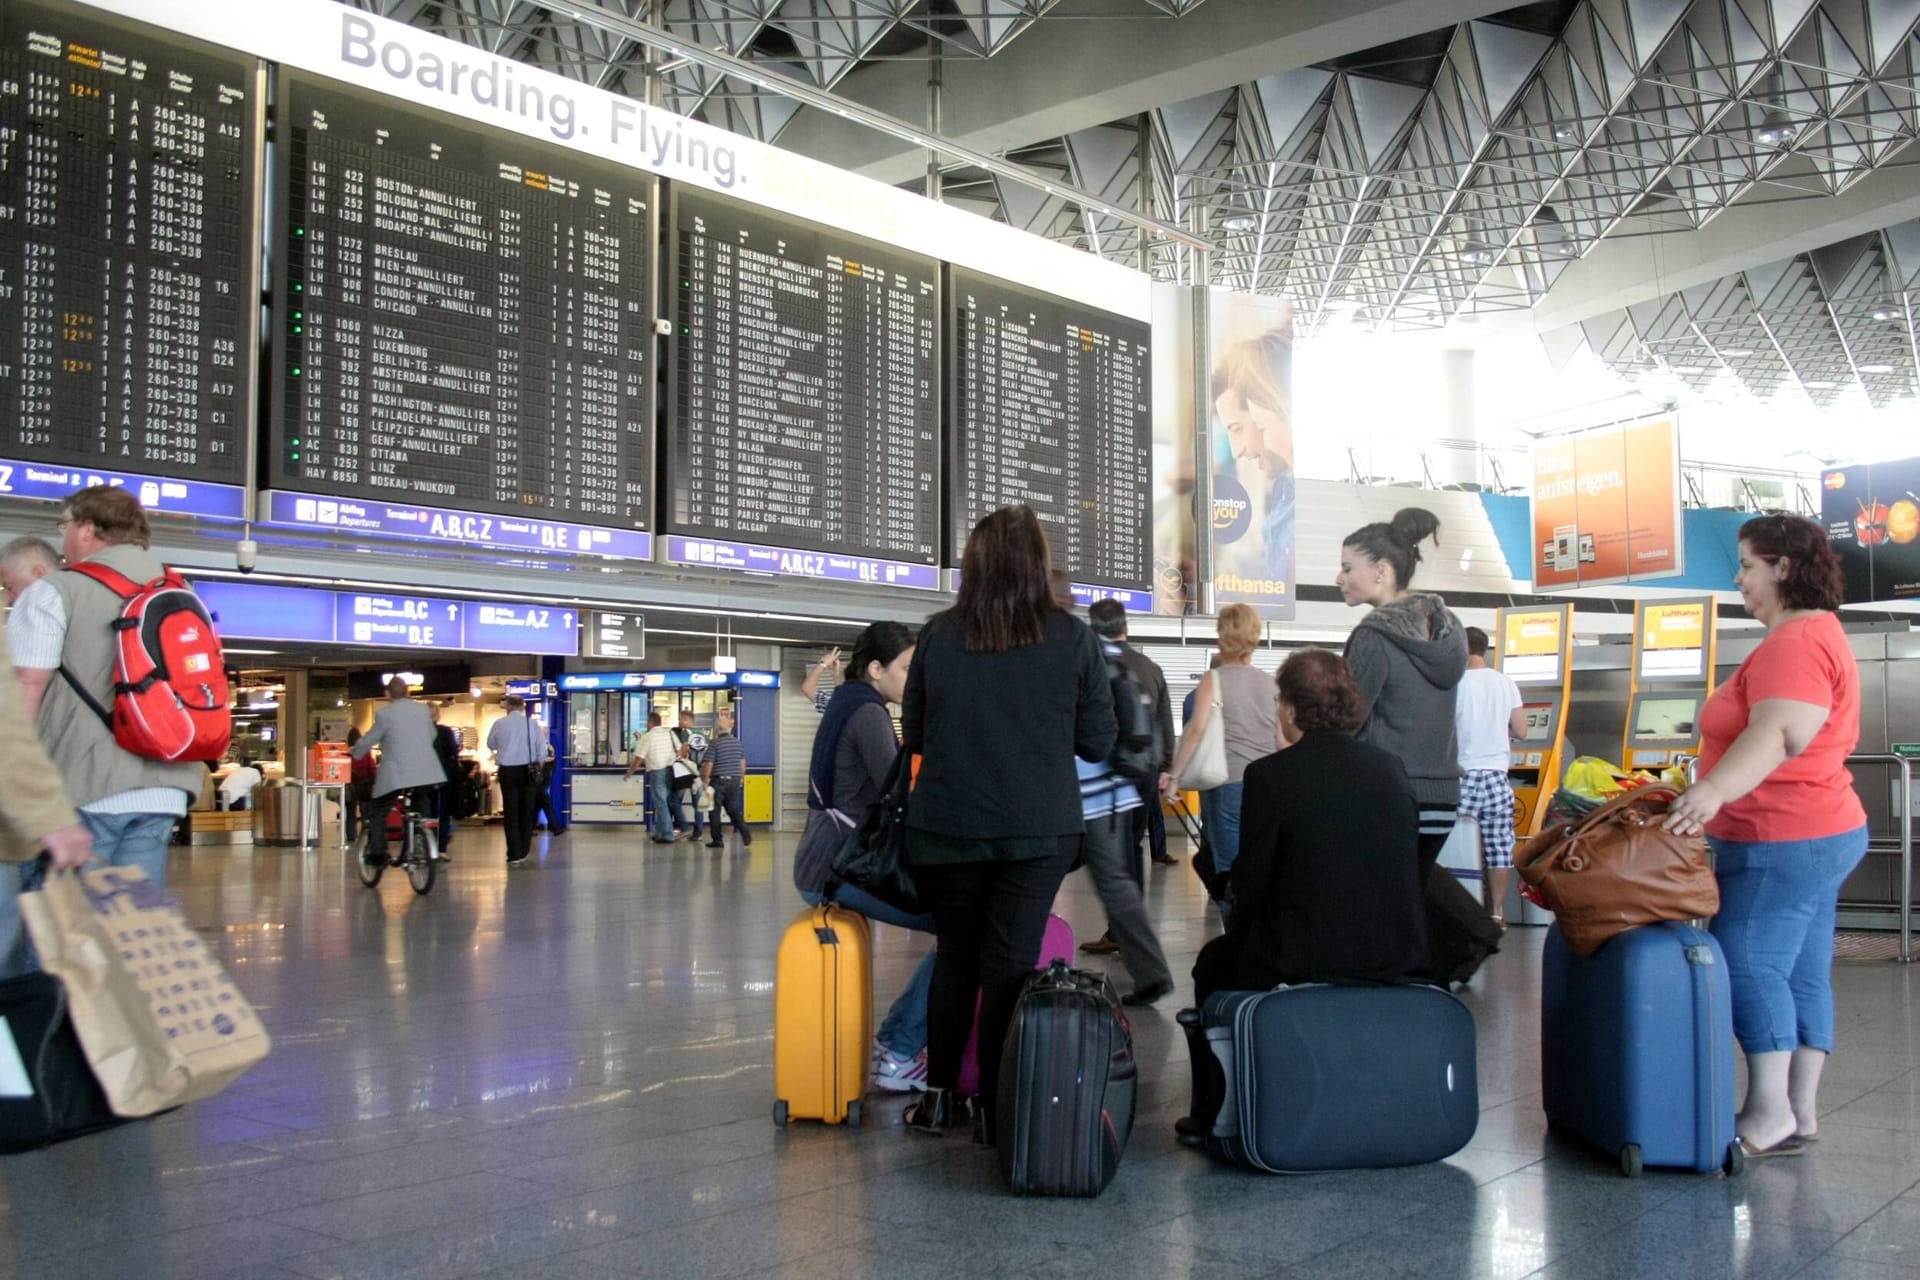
(805,392)
(126,296)
(1052,406)
(465,319)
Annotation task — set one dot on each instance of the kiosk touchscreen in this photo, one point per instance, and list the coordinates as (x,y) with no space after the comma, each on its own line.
(1673,662)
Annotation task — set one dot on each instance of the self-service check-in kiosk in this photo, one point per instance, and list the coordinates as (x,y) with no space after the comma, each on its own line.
(1534,648)
(1535,651)
(1673,667)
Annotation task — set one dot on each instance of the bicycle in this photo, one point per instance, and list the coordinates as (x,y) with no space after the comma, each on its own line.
(418,850)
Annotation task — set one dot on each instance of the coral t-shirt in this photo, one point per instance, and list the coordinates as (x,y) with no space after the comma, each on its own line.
(1811,795)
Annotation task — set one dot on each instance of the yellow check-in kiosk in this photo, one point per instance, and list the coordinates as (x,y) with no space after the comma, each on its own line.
(1673,666)
(1534,648)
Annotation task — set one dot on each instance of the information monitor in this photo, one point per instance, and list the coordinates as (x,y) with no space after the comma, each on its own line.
(805,384)
(1052,406)
(465,315)
(127,286)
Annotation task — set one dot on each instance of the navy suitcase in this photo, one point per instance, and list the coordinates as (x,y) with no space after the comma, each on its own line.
(1067,1083)
(36,1037)
(1636,1048)
(1308,1078)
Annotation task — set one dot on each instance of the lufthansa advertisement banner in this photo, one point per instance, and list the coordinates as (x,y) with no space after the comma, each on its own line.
(1250,345)
(1606,506)
(1872,514)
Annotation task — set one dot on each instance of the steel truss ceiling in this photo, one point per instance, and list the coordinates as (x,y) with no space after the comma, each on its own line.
(1838,323)
(1452,172)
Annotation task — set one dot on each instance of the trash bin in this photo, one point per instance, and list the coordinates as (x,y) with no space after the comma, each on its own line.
(278,811)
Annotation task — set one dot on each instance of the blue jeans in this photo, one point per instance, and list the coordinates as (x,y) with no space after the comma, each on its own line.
(666,811)
(1220,822)
(1776,919)
(904,1031)
(119,840)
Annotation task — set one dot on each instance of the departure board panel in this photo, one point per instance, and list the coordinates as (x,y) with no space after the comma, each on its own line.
(1052,407)
(466,315)
(127,289)
(805,385)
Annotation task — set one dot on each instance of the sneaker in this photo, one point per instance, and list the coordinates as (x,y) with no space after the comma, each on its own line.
(896,1074)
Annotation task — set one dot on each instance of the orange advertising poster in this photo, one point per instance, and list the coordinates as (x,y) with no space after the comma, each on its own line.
(1606,506)
(1529,634)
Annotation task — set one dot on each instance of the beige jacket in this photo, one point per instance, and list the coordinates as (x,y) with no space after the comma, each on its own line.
(32,801)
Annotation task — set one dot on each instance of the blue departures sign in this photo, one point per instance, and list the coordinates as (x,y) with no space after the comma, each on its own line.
(827,566)
(262,611)
(158,494)
(457,528)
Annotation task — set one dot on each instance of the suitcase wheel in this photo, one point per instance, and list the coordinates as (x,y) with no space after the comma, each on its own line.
(1630,1160)
(1736,1160)
(853,1113)
(780,1113)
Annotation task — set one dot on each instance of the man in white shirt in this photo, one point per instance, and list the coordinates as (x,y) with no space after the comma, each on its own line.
(655,752)
(1488,718)
(518,742)
(236,789)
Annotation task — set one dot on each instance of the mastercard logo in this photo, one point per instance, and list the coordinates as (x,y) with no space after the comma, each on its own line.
(1835,480)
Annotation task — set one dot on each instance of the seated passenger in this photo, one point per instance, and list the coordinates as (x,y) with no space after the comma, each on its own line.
(1327,884)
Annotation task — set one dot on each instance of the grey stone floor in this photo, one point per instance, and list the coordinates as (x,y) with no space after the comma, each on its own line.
(564,1071)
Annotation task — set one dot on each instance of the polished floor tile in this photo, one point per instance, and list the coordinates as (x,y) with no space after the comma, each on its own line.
(566,1071)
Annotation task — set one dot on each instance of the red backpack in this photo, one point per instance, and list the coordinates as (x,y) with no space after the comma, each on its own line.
(170,694)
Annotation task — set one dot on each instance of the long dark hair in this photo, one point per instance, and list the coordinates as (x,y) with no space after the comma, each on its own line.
(1396,542)
(1004,594)
(881,642)
(1814,578)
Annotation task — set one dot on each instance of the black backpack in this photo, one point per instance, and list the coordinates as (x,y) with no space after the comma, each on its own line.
(1137,750)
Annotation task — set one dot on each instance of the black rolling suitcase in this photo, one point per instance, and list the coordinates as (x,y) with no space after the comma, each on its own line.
(40,1053)
(1460,933)
(1067,1082)
(1310,1078)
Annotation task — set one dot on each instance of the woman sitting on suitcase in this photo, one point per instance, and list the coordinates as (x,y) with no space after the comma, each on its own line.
(1007,688)
(1776,801)
(1327,885)
(852,753)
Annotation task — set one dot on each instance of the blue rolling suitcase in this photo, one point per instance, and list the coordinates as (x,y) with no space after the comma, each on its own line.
(1636,1048)
(1310,1078)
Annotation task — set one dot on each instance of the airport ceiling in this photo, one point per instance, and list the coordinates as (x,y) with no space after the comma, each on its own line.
(1714,191)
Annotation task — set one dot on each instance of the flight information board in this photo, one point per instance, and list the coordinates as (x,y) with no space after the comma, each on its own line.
(1052,406)
(805,385)
(127,288)
(466,315)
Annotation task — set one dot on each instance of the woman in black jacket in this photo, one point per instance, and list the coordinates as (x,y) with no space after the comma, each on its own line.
(1005,690)
(1327,885)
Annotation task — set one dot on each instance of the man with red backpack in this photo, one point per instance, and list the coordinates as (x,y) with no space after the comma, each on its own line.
(73,662)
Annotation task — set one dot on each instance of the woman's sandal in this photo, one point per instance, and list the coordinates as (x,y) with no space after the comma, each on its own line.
(1787,1146)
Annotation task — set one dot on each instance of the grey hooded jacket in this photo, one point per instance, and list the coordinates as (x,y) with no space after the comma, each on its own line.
(1407,657)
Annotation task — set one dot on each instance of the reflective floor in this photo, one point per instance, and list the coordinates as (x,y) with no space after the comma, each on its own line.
(563,1071)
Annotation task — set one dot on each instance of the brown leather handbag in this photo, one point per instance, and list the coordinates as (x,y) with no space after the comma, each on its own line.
(1616,869)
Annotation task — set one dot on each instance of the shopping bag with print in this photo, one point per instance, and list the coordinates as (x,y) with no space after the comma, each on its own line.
(160,1021)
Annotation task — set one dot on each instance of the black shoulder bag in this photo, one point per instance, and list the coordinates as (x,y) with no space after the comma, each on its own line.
(873,855)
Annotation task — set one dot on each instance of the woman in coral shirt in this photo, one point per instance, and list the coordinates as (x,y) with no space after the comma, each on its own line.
(1777,804)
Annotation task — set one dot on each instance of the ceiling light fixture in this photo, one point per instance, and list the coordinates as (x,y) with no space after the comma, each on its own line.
(1735,355)
(1238,222)
(1885,313)
(1819,384)
(1777,128)
(1876,368)
(1563,132)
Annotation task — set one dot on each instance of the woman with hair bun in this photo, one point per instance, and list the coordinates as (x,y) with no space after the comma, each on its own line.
(1776,801)
(1327,886)
(1406,656)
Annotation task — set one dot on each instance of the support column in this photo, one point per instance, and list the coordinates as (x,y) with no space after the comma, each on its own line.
(936,88)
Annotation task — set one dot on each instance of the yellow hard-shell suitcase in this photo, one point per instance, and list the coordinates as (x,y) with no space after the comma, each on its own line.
(822,1017)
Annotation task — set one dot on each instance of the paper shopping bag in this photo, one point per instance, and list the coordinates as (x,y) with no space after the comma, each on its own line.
(160,1021)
